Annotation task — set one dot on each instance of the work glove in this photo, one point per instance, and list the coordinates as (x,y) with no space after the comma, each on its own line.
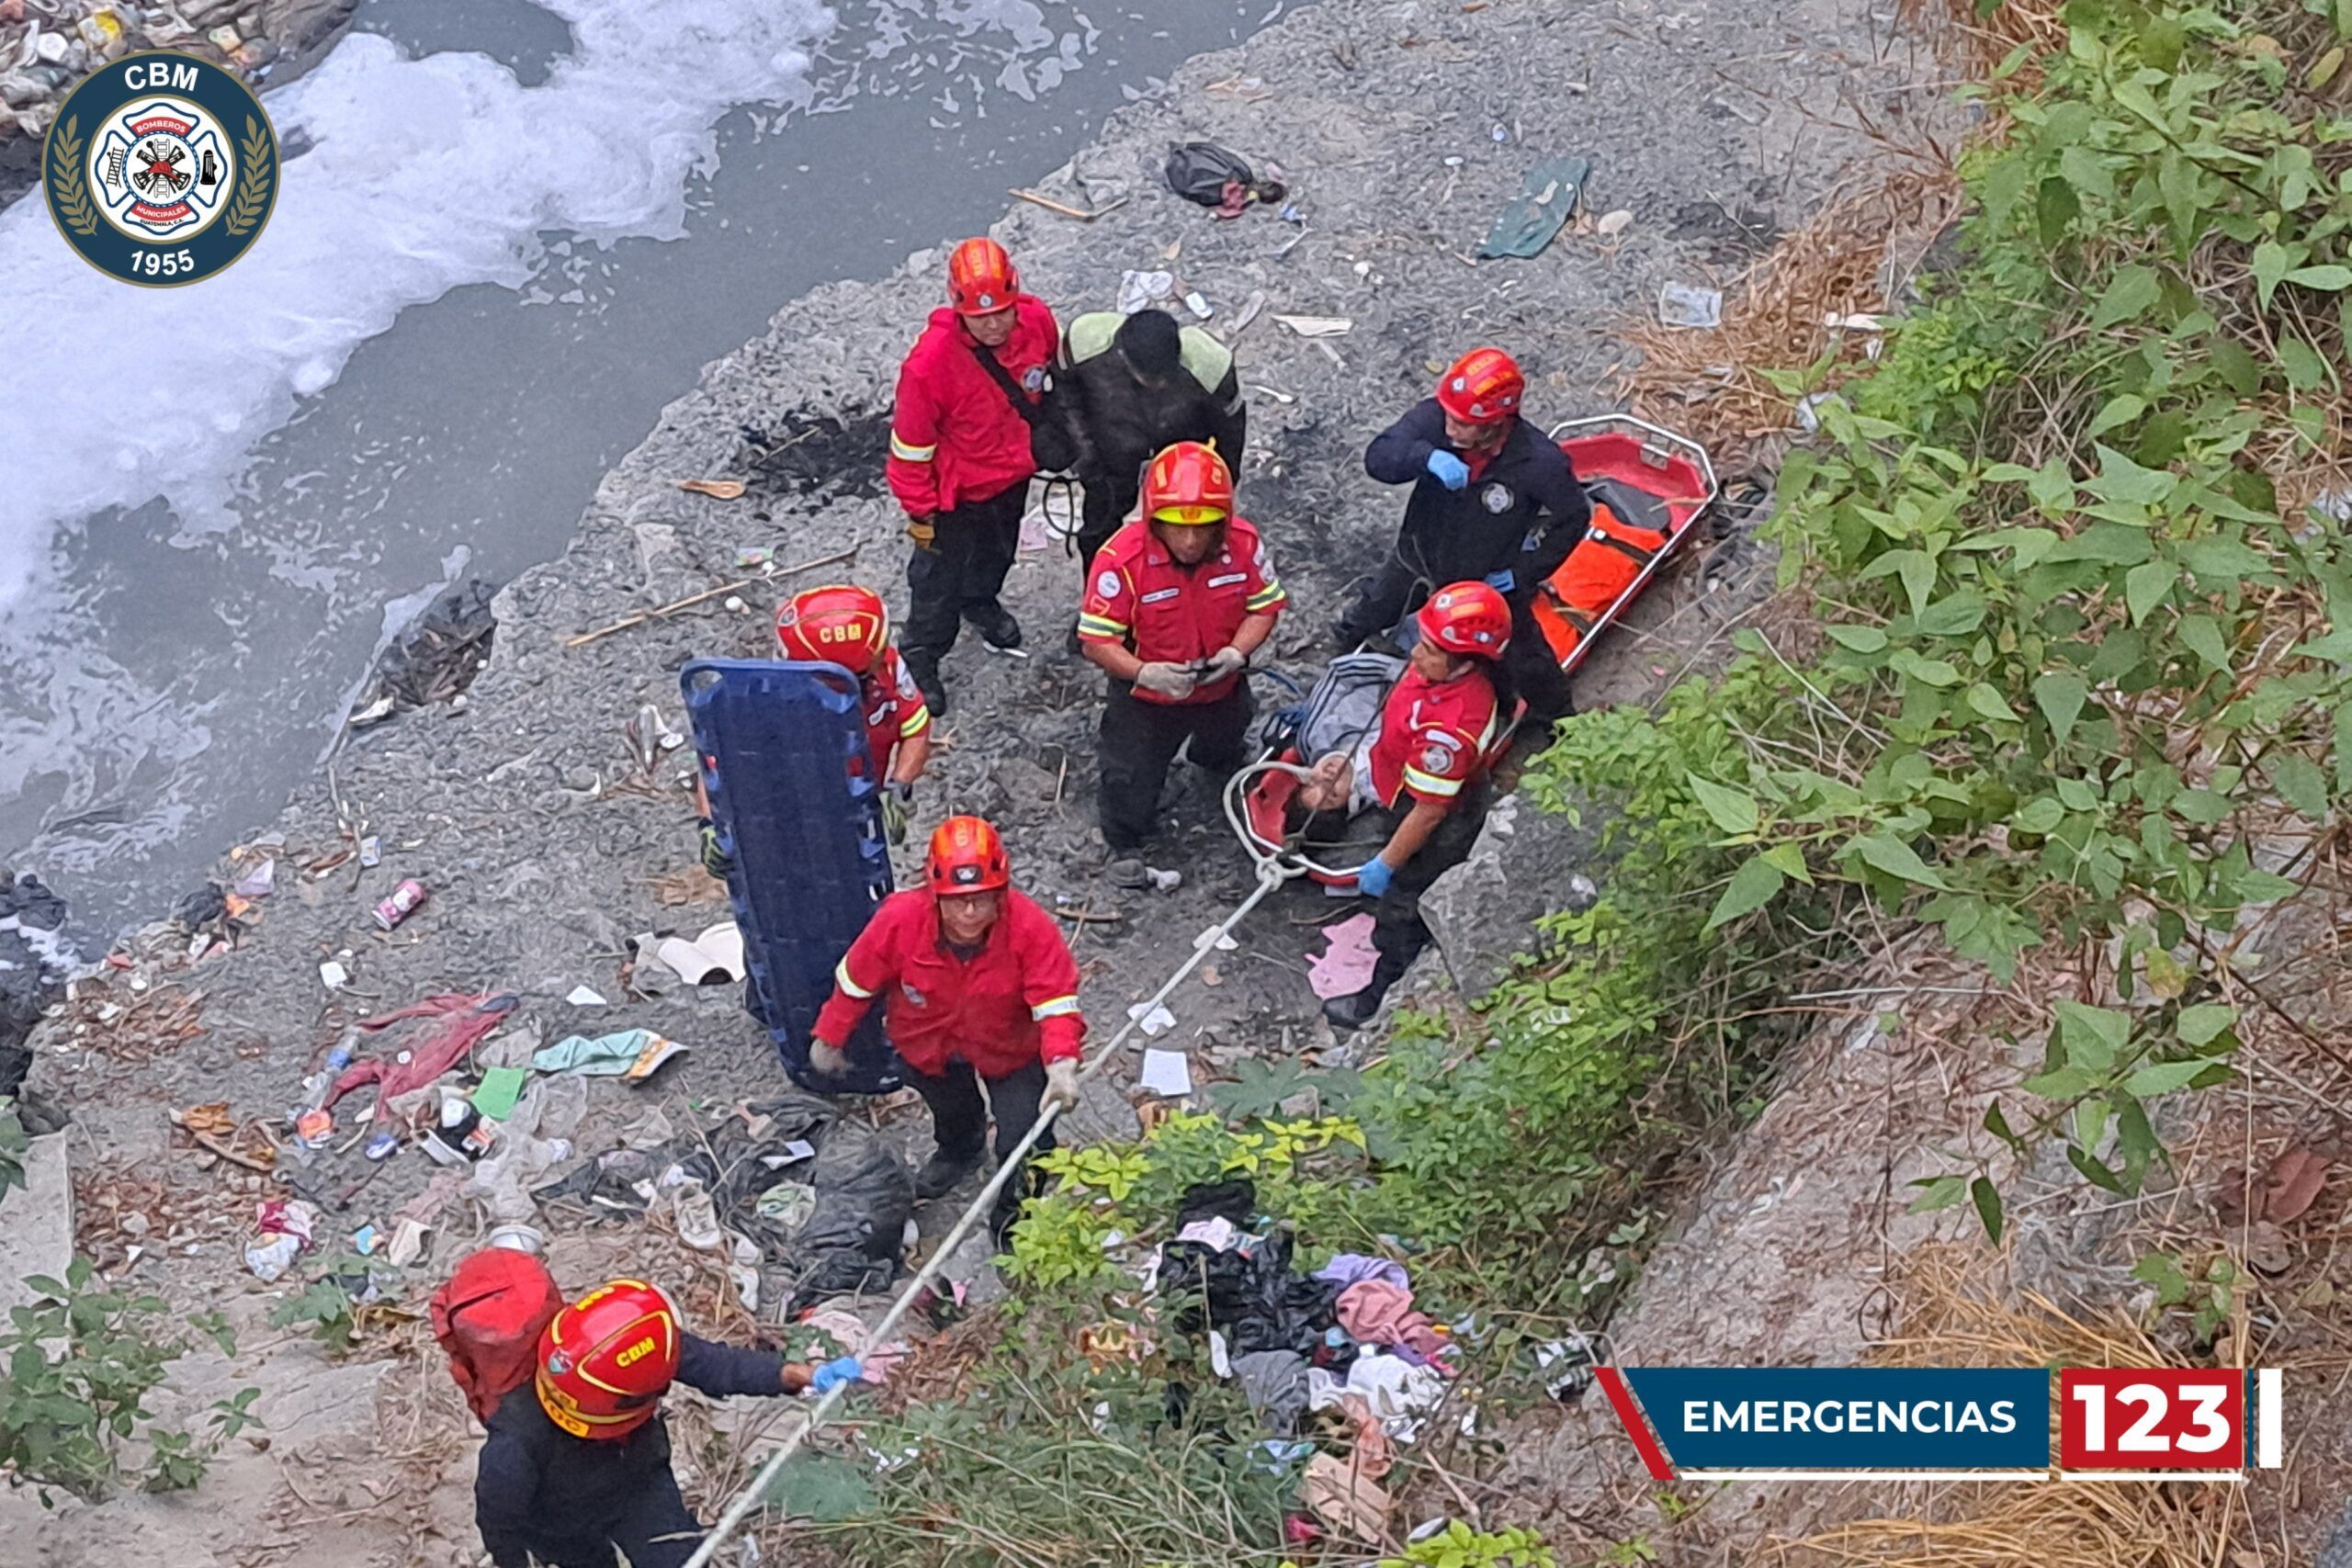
(1226,661)
(921,530)
(827,1061)
(1502,582)
(1061,1083)
(1161,679)
(898,796)
(714,860)
(1450,470)
(1374,879)
(834,1374)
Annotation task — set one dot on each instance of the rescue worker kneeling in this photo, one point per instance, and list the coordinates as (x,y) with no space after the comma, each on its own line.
(582,1464)
(982,987)
(1424,768)
(1175,604)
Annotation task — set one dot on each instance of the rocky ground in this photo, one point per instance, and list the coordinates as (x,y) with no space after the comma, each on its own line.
(1401,125)
(47,46)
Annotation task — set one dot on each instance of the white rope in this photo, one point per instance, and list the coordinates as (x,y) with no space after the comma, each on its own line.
(1272,873)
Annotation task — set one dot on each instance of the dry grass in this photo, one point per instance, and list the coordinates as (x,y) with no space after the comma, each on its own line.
(1952,1319)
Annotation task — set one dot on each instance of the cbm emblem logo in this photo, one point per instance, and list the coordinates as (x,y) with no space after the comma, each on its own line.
(161,169)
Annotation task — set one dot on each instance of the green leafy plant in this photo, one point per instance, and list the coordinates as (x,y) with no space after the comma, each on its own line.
(1458,1546)
(81,1361)
(14,1143)
(324,1307)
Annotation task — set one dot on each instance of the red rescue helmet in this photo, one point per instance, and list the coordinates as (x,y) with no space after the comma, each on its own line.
(966,856)
(1188,484)
(1483,387)
(839,624)
(980,278)
(605,1360)
(1468,618)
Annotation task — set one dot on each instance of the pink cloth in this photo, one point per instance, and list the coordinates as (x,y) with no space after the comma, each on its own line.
(466,1022)
(1374,1312)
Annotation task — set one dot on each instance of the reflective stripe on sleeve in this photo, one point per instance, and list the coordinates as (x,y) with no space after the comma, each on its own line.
(1100,627)
(1266,598)
(849,986)
(906,453)
(1057,1008)
(916,722)
(1429,784)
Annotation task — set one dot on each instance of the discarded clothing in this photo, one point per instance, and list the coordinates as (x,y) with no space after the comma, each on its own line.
(1378,1312)
(851,1241)
(1217,177)
(1275,1384)
(1235,1201)
(1250,1292)
(1350,1504)
(1372,1453)
(466,1022)
(1217,1234)
(1532,220)
(1398,1396)
(1353,1268)
(632,1053)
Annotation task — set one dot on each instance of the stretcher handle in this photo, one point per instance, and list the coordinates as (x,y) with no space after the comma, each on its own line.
(1601,423)
(1260,851)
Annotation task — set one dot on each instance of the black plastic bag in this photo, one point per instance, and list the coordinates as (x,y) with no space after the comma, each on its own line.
(851,1241)
(1216,176)
(1249,1294)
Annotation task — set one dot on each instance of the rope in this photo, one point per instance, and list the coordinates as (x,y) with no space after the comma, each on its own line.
(1272,873)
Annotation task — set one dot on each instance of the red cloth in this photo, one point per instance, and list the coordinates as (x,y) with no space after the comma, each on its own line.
(470,1021)
(953,434)
(1138,595)
(489,1315)
(1373,1311)
(1009,1004)
(895,710)
(1433,737)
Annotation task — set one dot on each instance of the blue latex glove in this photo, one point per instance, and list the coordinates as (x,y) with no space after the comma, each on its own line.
(1451,471)
(833,1374)
(1502,582)
(1374,879)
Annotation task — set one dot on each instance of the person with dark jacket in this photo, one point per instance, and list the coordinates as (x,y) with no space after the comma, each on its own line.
(582,1464)
(1127,388)
(1493,500)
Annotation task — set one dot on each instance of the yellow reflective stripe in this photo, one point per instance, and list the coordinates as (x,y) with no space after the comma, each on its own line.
(916,723)
(1056,1007)
(1100,625)
(906,453)
(1427,784)
(1266,598)
(849,986)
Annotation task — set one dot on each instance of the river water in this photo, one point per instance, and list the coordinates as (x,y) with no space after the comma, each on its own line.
(508,234)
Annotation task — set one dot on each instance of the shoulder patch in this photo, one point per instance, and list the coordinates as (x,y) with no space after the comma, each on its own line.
(1107,584)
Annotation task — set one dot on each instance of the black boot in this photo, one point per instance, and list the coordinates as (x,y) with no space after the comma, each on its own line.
(923,667)
(995,624)
(940,1173)
(1351,1013)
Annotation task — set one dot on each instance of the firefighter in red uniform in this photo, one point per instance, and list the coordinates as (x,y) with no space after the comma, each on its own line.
(1175,604)
(584,1466)
(846,624)
(1426,770)
(981,986)
(960,461)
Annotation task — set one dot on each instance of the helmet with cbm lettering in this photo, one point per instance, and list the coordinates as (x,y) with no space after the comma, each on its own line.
(605,1360)
(838,624)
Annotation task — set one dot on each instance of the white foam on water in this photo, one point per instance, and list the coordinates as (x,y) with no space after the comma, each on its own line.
(422,176)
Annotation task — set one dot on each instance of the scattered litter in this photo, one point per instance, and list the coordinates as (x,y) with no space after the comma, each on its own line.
(1809,410)
(713,958)
(1531,221)
(258,883)
(334,975)
(697,1217)
(1164,881)
(633,1055)
(1345,966)
(270,1259)
(751,558)
(364,1239)
(460,1023)
(1157,1020)
(408,1243)
(736,605)
(1165,1073)
(1196,302)
(1348,1503)
(1082,214)
(786,1205)
(1688,305)
(500,1088)
(583,997)
(400,904)
(313,1128)
(1318,326)
(1617,223)
(1567,1365)
(1218,935)
(1138,289)
(371,853)
(718,490)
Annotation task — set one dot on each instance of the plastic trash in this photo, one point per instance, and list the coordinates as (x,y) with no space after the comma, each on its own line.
(851,1241)
(1219,177)
(271,1257)
(1531,221)
(1687,305)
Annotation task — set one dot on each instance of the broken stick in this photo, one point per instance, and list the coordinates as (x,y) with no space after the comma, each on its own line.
(1050,204)
(693,599)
